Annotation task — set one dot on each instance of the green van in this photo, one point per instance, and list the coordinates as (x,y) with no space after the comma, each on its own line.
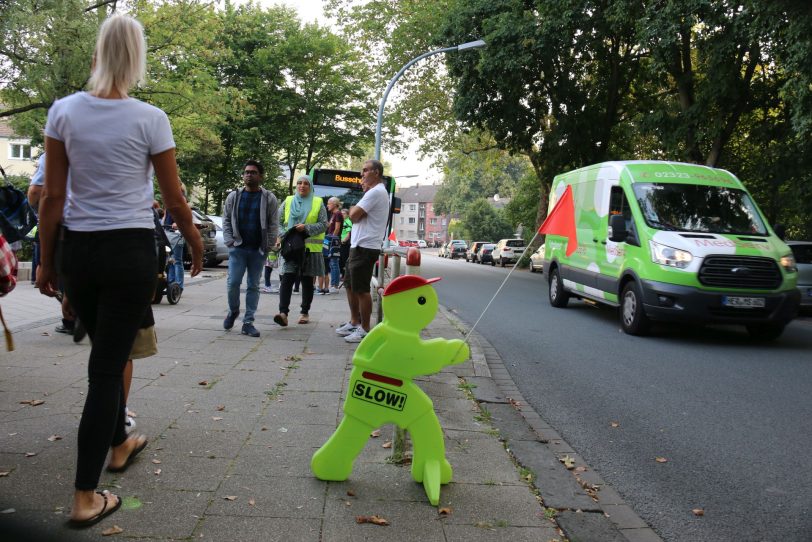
(668,241)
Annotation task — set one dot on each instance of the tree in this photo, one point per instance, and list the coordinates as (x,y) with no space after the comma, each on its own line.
(481,221)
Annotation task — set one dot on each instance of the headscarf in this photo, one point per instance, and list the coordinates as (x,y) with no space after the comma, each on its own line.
(300,207)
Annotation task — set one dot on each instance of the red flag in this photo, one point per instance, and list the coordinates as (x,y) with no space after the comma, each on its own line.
(392,236)
(561,221)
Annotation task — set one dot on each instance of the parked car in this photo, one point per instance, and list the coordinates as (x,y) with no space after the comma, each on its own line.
(802,250)
(508,251)
(486,253)
(208,231)
(222,249)
(473,251)
(421,244)
(457,249)
(537,260)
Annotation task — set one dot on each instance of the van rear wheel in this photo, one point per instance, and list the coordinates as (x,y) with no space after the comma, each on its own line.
(633,317)
(558,296)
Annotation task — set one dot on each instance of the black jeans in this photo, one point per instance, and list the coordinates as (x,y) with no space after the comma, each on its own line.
(110,279)
(286,287)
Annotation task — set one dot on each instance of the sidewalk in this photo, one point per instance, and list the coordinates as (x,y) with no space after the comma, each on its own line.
(233,422)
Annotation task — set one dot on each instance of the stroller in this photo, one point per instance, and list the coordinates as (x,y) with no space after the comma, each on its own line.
(165,243)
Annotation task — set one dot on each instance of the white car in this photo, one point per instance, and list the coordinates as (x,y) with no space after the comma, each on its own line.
(222,249)
(508,251)
(537,260)
(421,244)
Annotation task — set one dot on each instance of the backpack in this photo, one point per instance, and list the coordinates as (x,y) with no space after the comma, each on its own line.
(293,246)
(16,216)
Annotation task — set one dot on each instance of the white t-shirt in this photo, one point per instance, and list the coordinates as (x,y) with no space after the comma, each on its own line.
(369,231)
(109,144)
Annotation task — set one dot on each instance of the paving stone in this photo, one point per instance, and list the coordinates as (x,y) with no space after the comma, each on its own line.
(407,521)
(588,527)
(487,532)
(486,390)
(510,423)
(259,529)
(475,503)
(273,496)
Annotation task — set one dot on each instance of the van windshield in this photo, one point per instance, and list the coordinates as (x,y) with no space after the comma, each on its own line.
(698,208)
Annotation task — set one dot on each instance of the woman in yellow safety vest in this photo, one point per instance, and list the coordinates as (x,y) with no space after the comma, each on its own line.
(305,212)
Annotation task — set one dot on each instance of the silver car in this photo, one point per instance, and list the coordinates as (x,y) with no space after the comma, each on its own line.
(222,249)
(802,250)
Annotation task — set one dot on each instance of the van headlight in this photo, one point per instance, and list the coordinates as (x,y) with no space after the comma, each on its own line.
(674,257)
(788,263)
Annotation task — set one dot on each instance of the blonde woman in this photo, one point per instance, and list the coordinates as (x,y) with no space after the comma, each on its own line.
(110,144)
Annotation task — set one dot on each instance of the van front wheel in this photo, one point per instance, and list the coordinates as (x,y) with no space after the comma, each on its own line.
(558,296)
(633,317)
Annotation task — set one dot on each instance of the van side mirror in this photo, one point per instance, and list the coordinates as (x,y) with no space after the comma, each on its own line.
(617,229)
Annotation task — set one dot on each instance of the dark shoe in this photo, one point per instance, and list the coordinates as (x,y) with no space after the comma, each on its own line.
(64,328)
(105,511)
(281,319)
(228,323)
(250,330)
(79,331)
(130,458)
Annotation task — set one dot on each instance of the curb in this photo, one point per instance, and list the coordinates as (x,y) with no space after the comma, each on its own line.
(580,502)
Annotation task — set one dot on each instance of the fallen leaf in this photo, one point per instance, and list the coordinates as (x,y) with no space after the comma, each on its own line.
(157,472)
(46,334)
(203,383)
(161,374)
(568,462)
(350,493)
(375,434)
(444,511)
(4,473)
(54,438)
(387,444)
(156,461)
(347,503)
(115,529)
(615,424)
(514,403)
(221,408)
(580,469)
(377,520)
(698,512)
(251,502)
(661,460)
(217,418)
(32,402)
(30,454)
(230,497)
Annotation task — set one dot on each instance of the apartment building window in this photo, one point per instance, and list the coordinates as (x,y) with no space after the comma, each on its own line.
(412,207)
(401,220)
(411,220)
(18,151)
(433,221)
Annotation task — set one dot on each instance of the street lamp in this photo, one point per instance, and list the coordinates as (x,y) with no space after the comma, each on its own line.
(463,47)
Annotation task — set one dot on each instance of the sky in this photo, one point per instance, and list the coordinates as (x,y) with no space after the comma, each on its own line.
(407,164)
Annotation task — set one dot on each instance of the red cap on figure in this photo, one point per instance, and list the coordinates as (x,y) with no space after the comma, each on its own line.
(407,282)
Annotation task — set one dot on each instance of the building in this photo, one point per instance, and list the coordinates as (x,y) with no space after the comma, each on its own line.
(417,219)
(17,156)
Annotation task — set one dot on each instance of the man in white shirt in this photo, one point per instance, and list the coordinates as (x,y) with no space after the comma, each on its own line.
(369,217)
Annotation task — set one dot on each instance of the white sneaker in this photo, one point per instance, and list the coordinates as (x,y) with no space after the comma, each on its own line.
(266,289)
(345,329)
(273,290)
(333,290)
(356,336)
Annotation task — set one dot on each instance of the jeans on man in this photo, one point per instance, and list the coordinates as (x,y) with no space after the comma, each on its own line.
(175,272)
(241,262)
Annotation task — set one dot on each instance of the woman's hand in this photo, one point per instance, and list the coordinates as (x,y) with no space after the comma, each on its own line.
(47,280)
(299,227)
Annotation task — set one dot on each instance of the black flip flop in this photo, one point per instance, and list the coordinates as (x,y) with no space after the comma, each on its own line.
(105,511)
(130,458)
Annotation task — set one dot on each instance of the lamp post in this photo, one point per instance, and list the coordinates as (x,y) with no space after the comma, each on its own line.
(463,47)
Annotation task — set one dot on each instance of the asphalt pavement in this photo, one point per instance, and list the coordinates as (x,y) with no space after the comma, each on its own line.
(233,421)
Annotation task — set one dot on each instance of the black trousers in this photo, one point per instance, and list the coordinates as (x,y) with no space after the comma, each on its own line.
(286,287)
(110,279)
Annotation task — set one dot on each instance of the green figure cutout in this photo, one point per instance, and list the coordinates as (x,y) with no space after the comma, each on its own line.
(381,390)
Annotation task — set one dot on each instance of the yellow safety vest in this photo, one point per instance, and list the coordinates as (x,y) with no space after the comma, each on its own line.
(313,244)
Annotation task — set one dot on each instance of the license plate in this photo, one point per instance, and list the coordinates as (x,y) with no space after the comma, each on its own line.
(744,302)
(809,292)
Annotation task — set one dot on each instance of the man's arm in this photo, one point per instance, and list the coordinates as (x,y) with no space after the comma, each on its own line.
(357,213)
(228,232)
(273,219)
(34,193)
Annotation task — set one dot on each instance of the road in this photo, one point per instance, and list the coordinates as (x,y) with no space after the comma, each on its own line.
(731,418)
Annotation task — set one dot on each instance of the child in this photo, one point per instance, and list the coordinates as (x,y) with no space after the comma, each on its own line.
(270,264)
